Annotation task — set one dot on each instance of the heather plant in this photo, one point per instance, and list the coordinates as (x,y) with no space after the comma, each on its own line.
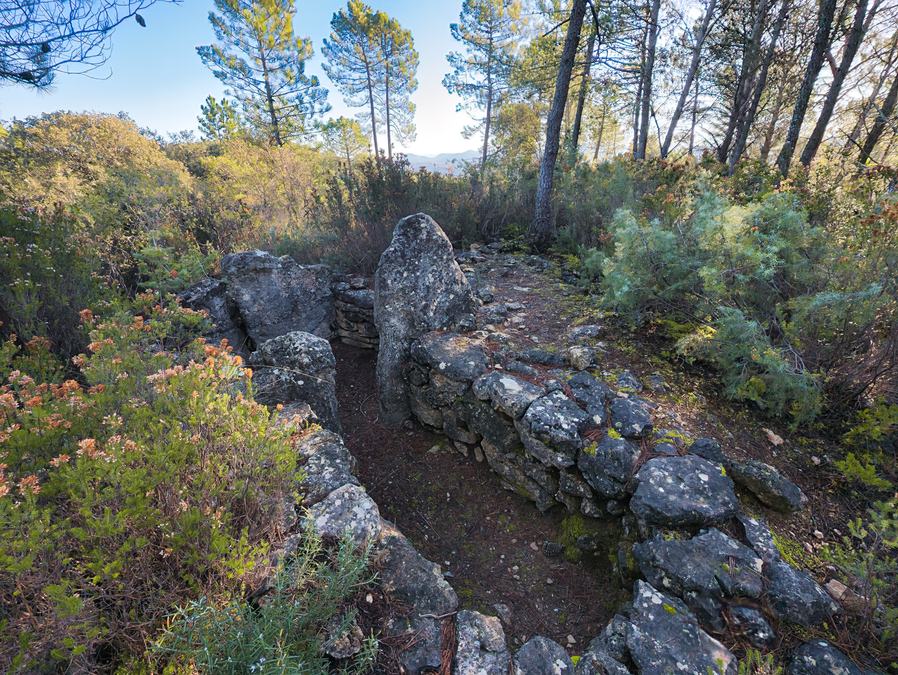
(154,479)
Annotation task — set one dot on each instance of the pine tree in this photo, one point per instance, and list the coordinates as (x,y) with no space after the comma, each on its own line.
(264,66)
(344,137)
(219,119)
(487,32)
(373,62)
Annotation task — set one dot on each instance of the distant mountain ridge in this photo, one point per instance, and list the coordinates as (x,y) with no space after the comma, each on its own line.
(445,162)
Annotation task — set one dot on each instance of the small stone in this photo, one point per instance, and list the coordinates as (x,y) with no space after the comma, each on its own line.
(552,549)
(571,640)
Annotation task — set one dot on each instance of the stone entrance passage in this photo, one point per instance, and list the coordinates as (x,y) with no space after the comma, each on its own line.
(501,555)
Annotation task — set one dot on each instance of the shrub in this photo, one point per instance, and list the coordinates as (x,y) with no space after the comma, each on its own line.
(308,606)
(868,562)
(872,445)
(157,480)
(752,369)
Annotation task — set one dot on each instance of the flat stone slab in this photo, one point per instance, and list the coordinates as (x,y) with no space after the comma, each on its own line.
(819,657)
(794,596)
(328,465)
(452,355)
(507,393)
(593,395)
(683,492)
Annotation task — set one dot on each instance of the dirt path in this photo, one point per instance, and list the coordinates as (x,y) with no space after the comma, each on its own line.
(457,514)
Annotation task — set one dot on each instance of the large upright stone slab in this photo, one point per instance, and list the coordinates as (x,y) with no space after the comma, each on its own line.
(275,296)
(298,367)
(418,288)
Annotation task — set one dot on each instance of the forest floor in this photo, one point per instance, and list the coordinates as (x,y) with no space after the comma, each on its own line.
(490,540)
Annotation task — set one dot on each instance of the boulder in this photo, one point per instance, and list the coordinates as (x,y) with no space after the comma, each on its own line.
(819,657)
(542,357)
(702,571)
(421,643)
(708,448)
(759,537)
(211,296)
(683,491)
(663,636)
(542,656)
(581,357)
(609,465)
(631,417)
(328,465)
(275,296)
(348,510)
(451,355)
(768,485)
(550,429)
(298,366)
(481,645)
(795,597)
(418,288)
(598,662)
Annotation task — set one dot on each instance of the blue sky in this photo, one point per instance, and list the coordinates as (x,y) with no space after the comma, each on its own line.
(155,75)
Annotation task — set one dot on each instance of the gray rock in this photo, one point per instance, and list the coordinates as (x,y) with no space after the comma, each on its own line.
(598,662)
(819,657)
(794,596)
(550,429)
(418,288)
(481,645)
(521,368)
(768,485)
(210,295)
(328,465)
(701,571)
(682,492)
(709,449)
(346,510)
(759,537)
(542,656)
(482,419)
(627,381)
(663,636)
(542,357)
(751,624)
(581,357)
(295,366)
(592,394)
(423,637)
(405,575)
(609,465)
(585,333)
(507,393)
(451,355)
(275,296)
(631,417)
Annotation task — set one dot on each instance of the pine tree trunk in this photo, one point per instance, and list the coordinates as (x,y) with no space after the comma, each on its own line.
(595,154)
(690,74)
(637,108)
(581,98)
(269,101)
(647,80)
(743,127)
(694,117)
(852,44)
(371,107)
(821,44)
(489,108)
(882,118)
(852,141)
(542,228)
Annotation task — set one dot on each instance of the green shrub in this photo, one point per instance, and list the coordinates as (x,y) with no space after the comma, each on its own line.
(868,562)
(157,481)
(752,369)
(309,604)
(872,444)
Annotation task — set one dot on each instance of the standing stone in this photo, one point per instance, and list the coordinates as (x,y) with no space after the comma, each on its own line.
(298,366)
(275,296)
(210,295)
(418,288)
(481,645)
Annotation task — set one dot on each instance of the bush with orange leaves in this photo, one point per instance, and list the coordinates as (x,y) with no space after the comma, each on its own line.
(153,479)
